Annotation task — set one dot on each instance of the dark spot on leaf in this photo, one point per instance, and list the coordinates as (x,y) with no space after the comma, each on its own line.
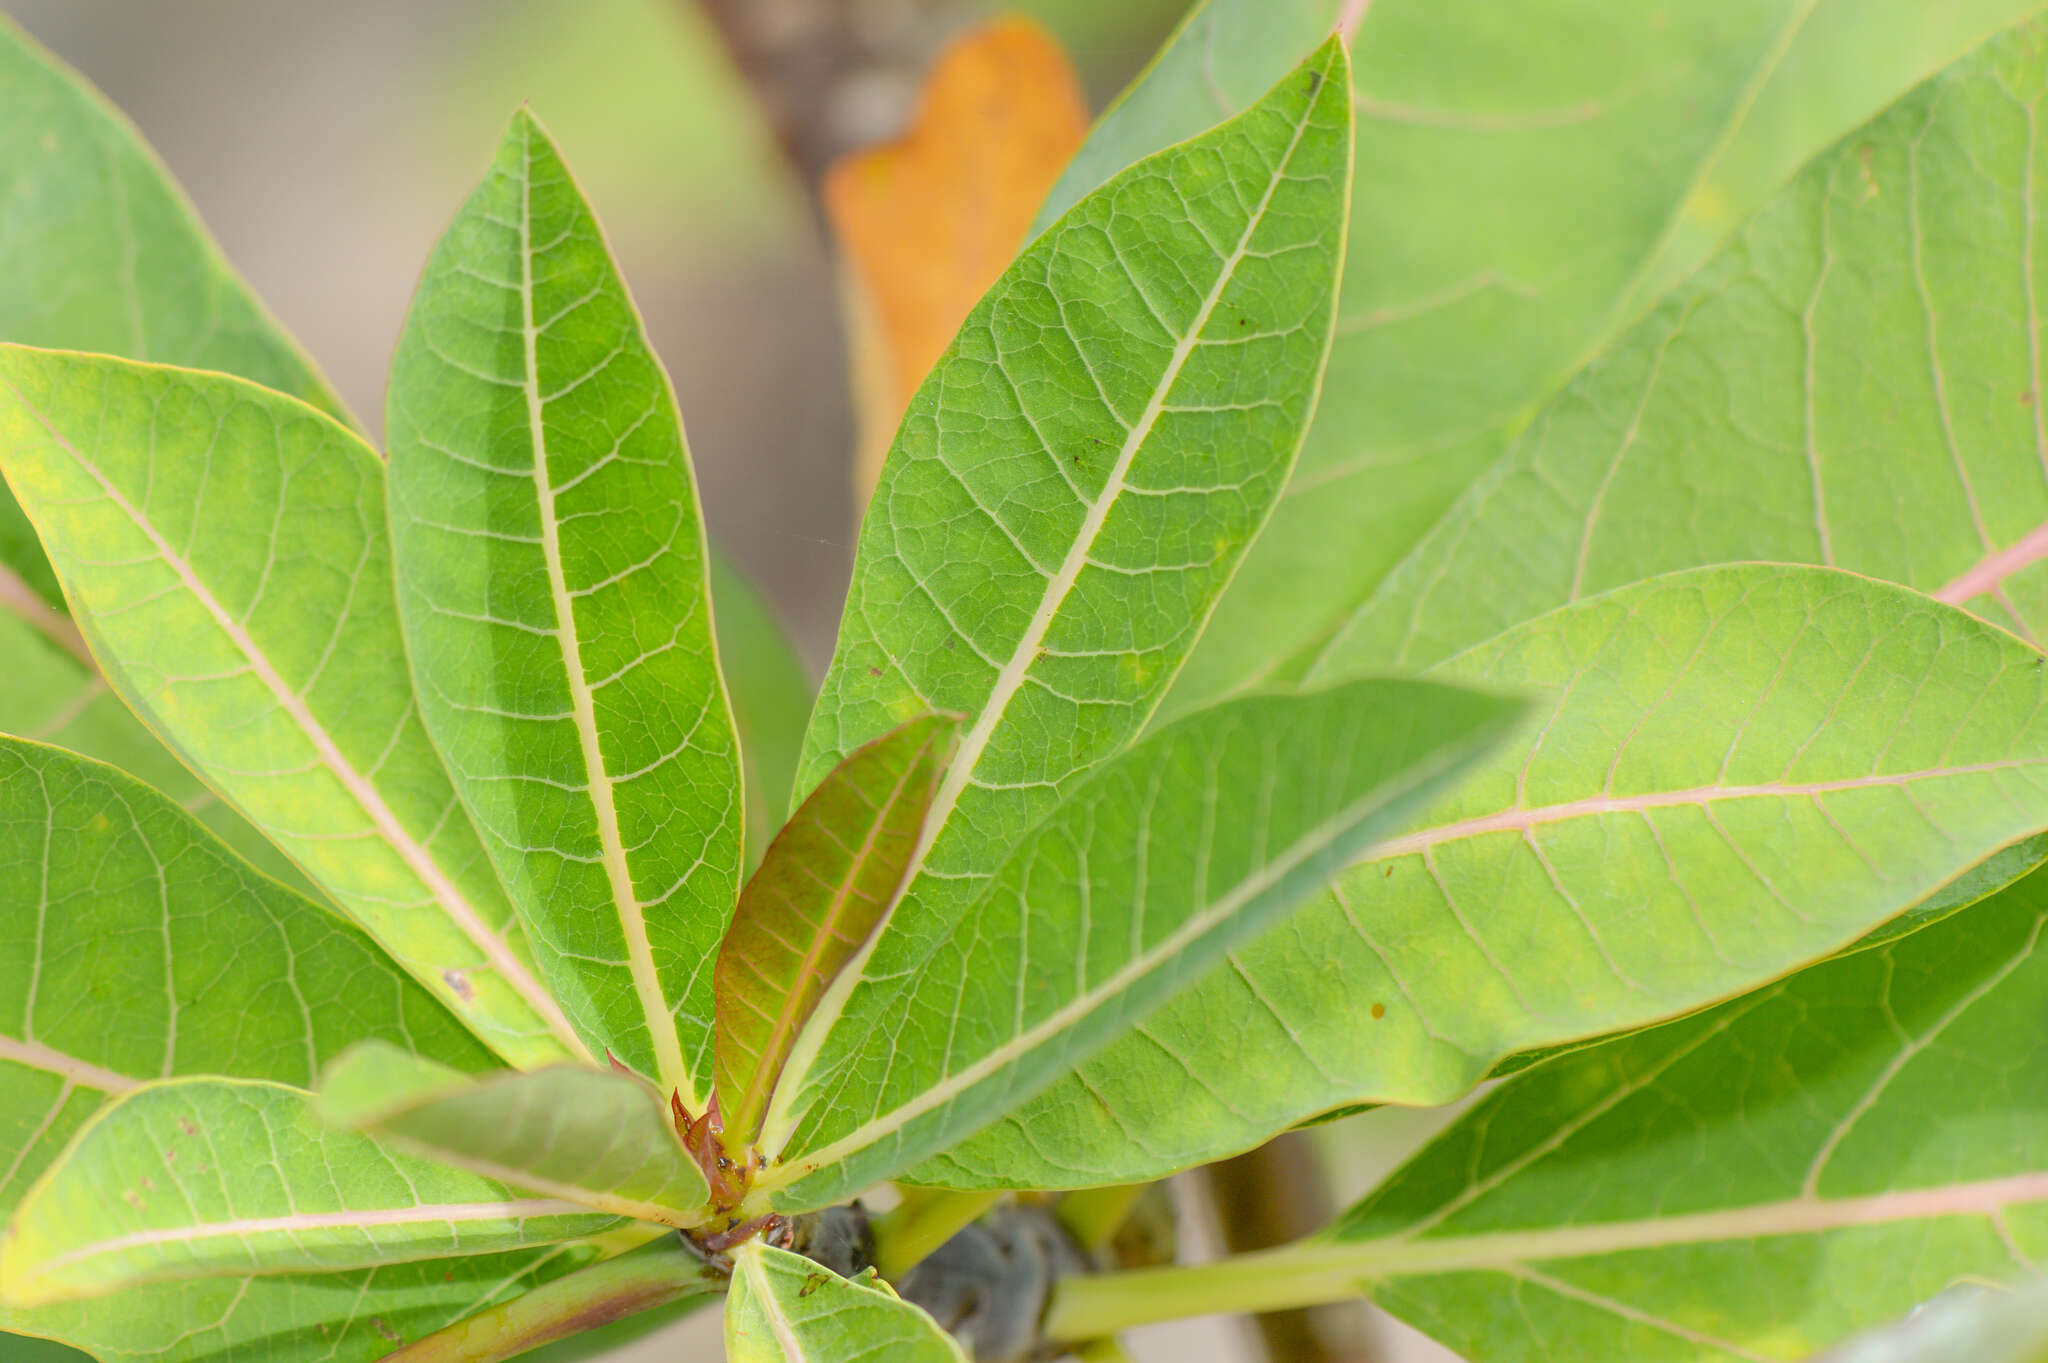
(185,1125)
(1389,874)
(1315,81)
(383,1327)
(2027,398)
(1379,1010)
(812,1282)
(874,672)
(458,980)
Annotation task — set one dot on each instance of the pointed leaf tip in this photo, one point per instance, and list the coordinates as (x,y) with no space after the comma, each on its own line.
(825,885)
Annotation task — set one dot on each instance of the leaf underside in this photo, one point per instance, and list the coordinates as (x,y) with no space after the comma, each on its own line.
(1761,1180)
(600,1138)
(203,1177)
(551,571)
(782,1308)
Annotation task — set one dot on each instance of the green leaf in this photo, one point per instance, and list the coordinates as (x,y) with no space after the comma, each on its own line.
(771,691)
(1157,864)
(133,946)
(104,253)
(1078,476)
(224,548)
(1529,181)
(1853,382)
(194,1178)
(1741,770)
(551,574)
(354,1317)
(49,695)
(154,952)
(829,877)
(585,1313)
(782,1308)
(602,1139)
(1759,1181)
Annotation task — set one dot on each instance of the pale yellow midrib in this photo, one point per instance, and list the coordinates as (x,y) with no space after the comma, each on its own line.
(779,1123)
(1305,848)
(394,835)
(654,1005)
(771,1310)
(84,1073)
(453,1213)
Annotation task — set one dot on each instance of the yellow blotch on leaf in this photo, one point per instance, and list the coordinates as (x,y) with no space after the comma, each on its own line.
(926,223)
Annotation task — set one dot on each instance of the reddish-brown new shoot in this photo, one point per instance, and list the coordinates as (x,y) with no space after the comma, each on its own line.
(824,885)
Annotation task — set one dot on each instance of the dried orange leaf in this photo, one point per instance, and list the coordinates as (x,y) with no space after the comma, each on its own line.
(927,222)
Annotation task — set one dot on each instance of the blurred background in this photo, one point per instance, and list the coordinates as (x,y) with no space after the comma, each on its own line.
(328,145)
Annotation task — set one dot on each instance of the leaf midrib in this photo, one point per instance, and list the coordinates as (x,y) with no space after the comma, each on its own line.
(654,1004)
(1522,819)
(781,1325)
(778,1123)
(360,789)
(452,1213)
(1141,964)
(48,1059)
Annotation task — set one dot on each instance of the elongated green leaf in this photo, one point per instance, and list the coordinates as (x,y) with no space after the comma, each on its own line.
(828,879)
(355,1317)
(102,252)
(782,1308)
(1741,770)
(1530,178)
(1760,1181)
(225,547)
(1077,478)
(194,1178)
(49,695)
(133,946)
(602,1139)
(1161,861)
(1853,381)
(661,1273)
(771,691)
(147,950)
(551,573)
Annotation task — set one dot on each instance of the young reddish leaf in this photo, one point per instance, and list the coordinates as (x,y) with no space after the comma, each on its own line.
(822,887)
(928,222)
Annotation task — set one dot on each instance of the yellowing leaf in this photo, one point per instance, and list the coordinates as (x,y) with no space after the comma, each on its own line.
(927,222)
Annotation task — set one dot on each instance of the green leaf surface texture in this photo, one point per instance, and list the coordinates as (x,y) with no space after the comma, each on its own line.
(1852,381)
(596,1137)
(353,1317)
(52,697)
(828,879)
(1529,180)
(104,253)
(225,548)
(1080,473)
(782,1308)
(148,951)
(1737,771)
(1164,858)
(1758,1181)
(187,1178)
(552,578)
(136,948)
